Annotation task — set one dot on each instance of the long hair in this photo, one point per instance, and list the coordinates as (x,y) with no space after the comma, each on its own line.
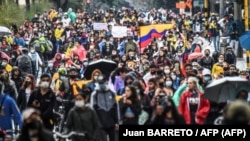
(133,96)
(33,83)
(176,116)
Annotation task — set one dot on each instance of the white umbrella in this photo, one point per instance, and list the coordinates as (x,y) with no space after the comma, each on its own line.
(4,31)
(226,89)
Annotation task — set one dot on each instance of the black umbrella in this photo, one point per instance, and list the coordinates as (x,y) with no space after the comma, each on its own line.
(226,89)
(106,67)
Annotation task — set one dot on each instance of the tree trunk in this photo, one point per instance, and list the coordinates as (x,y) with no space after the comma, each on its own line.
(58,3)
(27,4)
(17,2)
(65,5)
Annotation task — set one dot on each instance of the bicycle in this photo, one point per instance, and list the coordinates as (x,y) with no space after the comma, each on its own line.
(66,137)
(60,120)
(4,135)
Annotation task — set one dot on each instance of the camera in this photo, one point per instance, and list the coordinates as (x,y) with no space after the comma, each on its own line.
(161,97)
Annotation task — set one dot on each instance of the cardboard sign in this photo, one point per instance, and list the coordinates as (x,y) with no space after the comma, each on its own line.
(100,26)
(119,31)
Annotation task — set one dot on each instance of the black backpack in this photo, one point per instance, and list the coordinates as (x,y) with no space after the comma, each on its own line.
(24,62)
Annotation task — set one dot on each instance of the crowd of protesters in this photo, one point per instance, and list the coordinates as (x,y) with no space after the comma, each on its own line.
(140,91)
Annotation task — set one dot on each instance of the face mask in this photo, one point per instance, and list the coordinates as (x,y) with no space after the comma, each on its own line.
(221,60)
(138,91)
(32,51)
(12,56)
(27,83)
(85,64)
(161,84)
(169,83)
(129,82)
(207,78)
(73,76)
(79,103)
(153,73)
(4,64)
(50,65)
(91,40)
(44,84)
(167,71)
(173,77)
(95,77)
(63,77)
(207,54)
(181,45)
(179,54)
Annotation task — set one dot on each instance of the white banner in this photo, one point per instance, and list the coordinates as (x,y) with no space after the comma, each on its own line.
(100,26)
(119,31)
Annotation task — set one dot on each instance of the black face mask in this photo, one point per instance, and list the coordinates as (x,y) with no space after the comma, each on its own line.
(27,83)
(153,72)
(225,68)
(207,54)
(161,84)
(129,83)
(72,76)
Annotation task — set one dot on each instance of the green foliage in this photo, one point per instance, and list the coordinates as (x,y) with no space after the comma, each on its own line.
(75,4)
(12,13)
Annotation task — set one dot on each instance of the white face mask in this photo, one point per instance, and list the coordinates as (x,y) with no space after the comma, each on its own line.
(169,83)
(79,103)
(4,64)
(179,54)
(63,77)
(44,84)
(32,51)
(95,77)
(167,71)
(221,60)
(50,65)
(173,77)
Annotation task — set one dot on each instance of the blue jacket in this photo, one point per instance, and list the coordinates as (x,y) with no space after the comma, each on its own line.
(9,109)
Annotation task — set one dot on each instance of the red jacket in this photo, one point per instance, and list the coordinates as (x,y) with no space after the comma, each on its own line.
(202,111)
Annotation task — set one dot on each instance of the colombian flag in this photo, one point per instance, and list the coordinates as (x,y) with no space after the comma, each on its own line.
(152,31)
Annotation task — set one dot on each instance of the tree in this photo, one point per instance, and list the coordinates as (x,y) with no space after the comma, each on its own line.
(27,4)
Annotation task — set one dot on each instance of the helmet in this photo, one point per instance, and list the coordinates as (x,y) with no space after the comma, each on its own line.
(62,71)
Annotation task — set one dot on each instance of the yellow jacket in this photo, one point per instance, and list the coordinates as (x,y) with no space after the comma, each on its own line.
(58,33)
(68,52)
(216,70)
(52,15)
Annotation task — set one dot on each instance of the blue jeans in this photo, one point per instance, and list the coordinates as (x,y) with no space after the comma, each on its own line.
(216,42)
